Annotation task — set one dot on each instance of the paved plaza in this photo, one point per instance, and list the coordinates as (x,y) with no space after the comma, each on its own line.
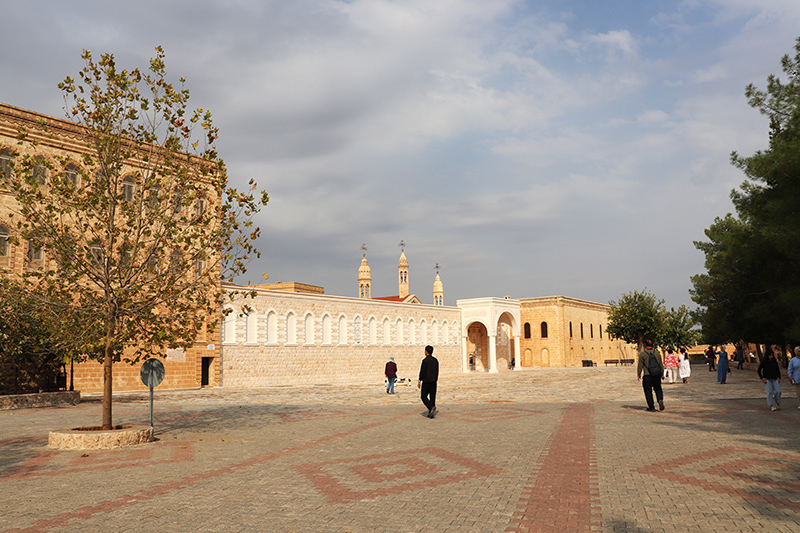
(550,450)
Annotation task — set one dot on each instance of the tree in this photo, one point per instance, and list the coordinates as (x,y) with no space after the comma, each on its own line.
(678,328)
(636,316)
(140,226)
(752,285)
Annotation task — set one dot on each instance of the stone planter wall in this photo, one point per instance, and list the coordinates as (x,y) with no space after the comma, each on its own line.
(43,399)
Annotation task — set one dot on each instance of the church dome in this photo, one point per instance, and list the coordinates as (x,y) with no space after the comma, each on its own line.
(437,284)
(403,260)
(364,270)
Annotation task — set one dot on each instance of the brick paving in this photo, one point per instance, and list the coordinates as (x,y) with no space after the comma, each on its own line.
(544,450)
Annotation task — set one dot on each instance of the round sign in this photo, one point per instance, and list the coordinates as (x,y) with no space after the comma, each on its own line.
(152,372)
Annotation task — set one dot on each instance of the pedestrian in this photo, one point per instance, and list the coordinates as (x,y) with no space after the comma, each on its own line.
(722,365)
(770,373)
(794,373)
(710,358)
(391,375)
(648,371)
(672,362)
(739,358)
(428,376)
(686,366)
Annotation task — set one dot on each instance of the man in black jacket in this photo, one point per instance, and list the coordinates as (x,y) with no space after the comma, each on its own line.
(428,376)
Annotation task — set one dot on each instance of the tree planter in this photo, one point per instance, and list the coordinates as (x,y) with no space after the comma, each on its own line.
(96,438)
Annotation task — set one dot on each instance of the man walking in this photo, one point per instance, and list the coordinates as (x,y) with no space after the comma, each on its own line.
(649,372)
(794,373)
(428,376)
(391,375)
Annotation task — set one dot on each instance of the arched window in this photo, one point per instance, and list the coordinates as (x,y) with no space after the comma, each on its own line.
(326,329)
(387,332)
(398,331)
(291,329)
(252,327)
(543,326)
(357,330)
(309,329)
(272,328)
(527,330)
(412,333)
(229,328)
(342,331)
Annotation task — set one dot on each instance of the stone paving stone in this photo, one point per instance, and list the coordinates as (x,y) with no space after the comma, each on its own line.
(353,459)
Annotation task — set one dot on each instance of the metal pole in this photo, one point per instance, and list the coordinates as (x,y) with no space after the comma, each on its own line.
(151,406)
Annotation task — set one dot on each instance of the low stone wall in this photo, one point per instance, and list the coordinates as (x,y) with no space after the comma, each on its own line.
(42,399)
(100,439)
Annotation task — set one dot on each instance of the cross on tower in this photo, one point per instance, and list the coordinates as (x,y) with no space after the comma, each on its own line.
(437,268)
(402,246)
(364,249)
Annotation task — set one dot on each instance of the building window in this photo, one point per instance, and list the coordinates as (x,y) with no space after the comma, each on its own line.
(527,328)
(128,188)
(581,330)
(601,330)
(72,176)
(5,250)
(6,162)
(591,331)
(570,330)
(544,329)
(40,174)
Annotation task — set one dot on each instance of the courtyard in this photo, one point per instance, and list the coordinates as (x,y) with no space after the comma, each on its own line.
(551,450)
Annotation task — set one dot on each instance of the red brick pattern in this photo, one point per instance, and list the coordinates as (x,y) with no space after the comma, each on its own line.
(491,414)
(764,477)
(561,494)
(372,476)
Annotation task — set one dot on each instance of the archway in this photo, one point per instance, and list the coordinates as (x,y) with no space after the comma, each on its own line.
(477,347)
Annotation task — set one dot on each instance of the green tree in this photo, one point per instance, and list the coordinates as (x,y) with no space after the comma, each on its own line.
(140,226)
(636,316)
(678,329)
(752,285)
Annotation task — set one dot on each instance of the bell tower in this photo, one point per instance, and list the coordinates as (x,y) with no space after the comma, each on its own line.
(438,288)
(402,271)
(364,276)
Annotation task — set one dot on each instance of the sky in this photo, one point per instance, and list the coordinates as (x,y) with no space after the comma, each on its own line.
(529,148)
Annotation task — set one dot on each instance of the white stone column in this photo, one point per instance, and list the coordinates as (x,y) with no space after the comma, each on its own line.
(493,354)
(516,353)
(464,356)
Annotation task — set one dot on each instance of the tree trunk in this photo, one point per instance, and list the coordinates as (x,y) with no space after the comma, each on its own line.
(108,360)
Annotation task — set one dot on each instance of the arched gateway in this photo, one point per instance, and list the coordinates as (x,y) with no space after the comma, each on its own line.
(490,333)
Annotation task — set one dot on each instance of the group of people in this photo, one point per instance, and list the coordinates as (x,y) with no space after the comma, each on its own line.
(652,366)
(677,366)
(428,379)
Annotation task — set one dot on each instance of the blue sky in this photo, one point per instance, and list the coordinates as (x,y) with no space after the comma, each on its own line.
(529,148)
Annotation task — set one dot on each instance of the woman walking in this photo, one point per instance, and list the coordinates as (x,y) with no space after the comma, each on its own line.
(671,361)
(686,367)
(722,366)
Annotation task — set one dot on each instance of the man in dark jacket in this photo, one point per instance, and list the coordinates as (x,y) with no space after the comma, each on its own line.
(428,376)
(649,370)
(770,374)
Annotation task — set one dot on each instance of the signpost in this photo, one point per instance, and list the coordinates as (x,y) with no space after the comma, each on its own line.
(152,375)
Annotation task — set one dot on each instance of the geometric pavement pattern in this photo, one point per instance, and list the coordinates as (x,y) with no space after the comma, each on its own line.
(372,476)
(766,477)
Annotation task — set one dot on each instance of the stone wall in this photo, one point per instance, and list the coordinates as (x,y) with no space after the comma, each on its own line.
(293,339)
(42,399)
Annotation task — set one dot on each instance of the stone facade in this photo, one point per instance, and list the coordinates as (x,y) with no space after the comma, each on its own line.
(560,331)
(191,368)
(296,338)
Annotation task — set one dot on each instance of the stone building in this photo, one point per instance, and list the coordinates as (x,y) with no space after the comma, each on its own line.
(195,367)
(562,331)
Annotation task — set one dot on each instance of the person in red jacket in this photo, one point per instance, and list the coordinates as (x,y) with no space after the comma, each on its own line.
(391,375)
